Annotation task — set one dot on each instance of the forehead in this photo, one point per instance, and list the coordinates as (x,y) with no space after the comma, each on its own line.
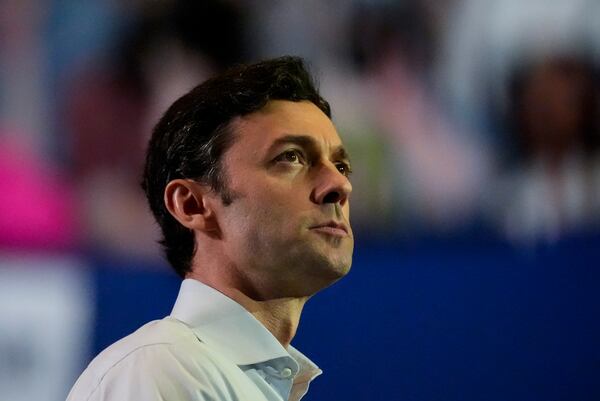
(280,118)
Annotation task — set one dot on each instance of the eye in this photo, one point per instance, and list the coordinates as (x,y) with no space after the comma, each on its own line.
(344,168)
(291,156)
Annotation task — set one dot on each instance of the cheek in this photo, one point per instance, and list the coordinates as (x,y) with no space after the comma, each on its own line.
(258,217)
(280,199)
(274,218)
(270,205)
(346,210)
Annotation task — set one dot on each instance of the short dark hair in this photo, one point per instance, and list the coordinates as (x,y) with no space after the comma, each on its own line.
(194,133)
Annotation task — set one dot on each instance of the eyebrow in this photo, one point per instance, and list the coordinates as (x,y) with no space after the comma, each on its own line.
(310,143)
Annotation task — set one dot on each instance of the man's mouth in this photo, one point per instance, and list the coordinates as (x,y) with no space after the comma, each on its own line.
(331,228)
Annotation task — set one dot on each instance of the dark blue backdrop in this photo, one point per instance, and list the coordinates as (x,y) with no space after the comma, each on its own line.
(455,319)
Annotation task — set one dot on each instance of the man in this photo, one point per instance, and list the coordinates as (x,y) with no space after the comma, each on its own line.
(248,179)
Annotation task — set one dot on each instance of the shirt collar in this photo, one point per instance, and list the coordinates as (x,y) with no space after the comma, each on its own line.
(231,330)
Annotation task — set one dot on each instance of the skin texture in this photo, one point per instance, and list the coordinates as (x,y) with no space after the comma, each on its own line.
(268,250)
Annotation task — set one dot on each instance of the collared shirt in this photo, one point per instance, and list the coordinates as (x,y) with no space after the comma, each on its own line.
(209,349)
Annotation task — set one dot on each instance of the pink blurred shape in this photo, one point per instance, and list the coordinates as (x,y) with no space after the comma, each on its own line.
(37,205)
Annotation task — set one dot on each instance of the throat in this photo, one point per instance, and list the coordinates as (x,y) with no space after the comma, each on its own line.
(280,316)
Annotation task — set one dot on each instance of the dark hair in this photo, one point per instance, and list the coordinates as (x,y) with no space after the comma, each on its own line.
(580,66)
(194,133)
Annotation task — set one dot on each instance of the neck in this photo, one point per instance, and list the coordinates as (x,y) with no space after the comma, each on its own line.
(281,316)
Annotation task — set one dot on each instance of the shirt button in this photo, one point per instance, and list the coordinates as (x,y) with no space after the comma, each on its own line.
(286,372)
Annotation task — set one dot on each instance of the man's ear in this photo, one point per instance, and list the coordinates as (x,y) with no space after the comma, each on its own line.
(187,201)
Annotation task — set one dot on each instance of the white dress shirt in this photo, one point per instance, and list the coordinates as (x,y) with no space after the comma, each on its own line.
(209,349)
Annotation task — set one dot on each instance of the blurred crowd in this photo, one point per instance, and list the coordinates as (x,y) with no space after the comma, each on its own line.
(457,113)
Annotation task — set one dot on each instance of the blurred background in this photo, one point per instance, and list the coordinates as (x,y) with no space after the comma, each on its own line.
(474,131)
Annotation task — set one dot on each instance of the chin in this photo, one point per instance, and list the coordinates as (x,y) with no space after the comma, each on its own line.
(332,270)
(337,259)
(342,268)
(314,266)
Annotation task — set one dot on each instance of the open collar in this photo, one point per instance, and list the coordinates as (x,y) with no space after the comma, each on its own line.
(231,330)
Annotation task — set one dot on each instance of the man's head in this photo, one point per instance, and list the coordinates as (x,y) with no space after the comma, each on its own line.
(255,151)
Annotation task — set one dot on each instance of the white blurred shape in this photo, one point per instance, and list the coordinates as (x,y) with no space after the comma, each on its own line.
(45,325)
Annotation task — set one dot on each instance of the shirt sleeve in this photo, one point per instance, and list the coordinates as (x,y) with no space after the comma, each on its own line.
(157,372)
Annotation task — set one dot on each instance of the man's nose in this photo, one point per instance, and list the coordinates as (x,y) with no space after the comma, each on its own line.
(332,186)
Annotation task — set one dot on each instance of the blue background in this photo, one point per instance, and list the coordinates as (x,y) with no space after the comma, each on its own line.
(434,319)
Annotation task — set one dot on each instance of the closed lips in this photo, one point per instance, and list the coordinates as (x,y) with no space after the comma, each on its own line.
(331,228)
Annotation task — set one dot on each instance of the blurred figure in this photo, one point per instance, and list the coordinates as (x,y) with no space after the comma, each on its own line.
(112,105)
(522,68)
(37,204)
(437,168)
(553,181)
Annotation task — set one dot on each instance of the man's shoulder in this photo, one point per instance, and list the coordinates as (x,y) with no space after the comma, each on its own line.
(151,350)
(165,332)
